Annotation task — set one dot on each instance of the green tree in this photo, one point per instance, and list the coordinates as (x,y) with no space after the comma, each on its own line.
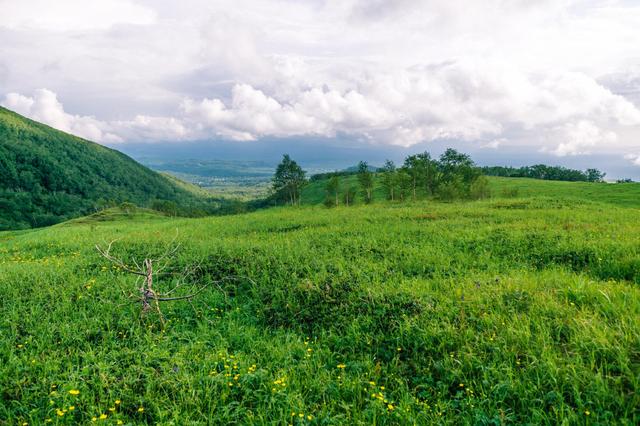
(453,163)
(594,175)
(390,179)
(289,179)
(429,172)
(457,170)
(333,189)
(349,195)
(405,183)
(365,177)
(412,165)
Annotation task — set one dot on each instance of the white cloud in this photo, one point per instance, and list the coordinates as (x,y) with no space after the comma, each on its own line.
(71,15)
(633,158)
(151,129)
(453,101)
(45,107)
(558,75)
(580,138)
(494,144)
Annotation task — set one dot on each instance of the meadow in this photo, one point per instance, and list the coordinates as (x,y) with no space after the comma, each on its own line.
(520,309)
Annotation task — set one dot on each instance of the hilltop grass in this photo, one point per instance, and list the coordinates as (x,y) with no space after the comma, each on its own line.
(506,311)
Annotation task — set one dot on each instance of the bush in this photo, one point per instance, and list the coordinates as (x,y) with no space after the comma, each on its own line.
(452,190)
(480,188)
(329,202)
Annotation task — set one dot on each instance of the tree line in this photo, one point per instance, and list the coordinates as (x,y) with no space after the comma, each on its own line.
(541,171)
(453,175)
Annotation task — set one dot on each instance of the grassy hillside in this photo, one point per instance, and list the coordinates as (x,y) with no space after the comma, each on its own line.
(625,194)
(507,311)
(47,176)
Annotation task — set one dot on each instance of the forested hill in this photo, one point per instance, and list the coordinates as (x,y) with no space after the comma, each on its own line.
(47,176)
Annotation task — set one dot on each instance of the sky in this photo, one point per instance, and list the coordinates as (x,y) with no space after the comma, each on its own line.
(510,80)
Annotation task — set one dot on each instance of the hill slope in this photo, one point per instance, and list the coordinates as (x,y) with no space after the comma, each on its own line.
(47,176)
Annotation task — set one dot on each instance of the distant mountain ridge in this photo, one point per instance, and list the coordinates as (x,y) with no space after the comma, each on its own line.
(48,176)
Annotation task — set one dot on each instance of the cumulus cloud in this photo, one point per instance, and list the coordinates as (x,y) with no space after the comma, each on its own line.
(580,138)
(453,101)
(633,158)
(44,106)
(559,76)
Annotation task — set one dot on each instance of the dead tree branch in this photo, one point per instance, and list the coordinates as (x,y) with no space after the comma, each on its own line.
(148,297)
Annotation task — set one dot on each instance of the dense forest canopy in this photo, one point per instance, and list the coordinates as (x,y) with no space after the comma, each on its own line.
(47,176)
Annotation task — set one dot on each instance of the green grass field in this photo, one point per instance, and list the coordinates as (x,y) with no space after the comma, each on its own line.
(521,310)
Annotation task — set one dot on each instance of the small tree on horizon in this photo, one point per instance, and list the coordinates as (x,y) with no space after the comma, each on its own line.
(289,179)
(404,183)
(413,168)
(390,179)
(333,188)
(365,177)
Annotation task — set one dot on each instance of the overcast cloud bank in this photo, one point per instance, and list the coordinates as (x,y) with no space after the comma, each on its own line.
(562,76)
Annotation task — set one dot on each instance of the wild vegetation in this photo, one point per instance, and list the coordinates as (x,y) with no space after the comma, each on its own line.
(521,309)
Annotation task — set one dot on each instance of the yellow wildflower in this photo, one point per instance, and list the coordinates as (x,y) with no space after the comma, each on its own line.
(59,412)
(103,416)
(141,410)
(74,392)
(72,407)
(341,366)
